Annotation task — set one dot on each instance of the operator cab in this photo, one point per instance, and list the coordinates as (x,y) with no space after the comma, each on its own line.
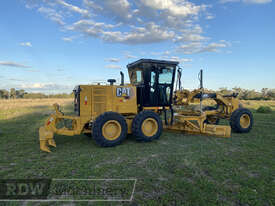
(154,80)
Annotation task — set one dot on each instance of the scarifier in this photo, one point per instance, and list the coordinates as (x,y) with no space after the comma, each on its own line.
(145,107)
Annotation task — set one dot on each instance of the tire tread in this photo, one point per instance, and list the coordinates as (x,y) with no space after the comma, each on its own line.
(235,120)
(137,122)
(97,129)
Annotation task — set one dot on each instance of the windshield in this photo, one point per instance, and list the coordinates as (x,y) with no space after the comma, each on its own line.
(166,75)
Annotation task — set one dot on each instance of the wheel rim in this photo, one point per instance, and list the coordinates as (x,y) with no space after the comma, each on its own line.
(149,127)
(245,121)
(111,130)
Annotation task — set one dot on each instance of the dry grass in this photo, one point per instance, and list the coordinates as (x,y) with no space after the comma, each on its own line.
(254,104)
(16,107)
(20,103)
(251,104)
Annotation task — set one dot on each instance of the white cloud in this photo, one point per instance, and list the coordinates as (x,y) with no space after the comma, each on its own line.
(27,44)
(139,35)
(13,64)
(198,47)
(44,86)
(165,53)
(67,39)
(143,21)
(192,37)
(149,34)
(209,17)
(228,1)
(178,59)
(16,80)
(73,8)
(175,58)
(90,27)
(112,60)
(92,5)
(113,66)
(32,70)
(86,24)
(247,1)
(173,7)
(129,56)
(118,9)
(213,47)
(257,1)
(52,15)
(133,22)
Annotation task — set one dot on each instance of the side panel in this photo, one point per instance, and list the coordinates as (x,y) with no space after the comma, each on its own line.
(97,99)
(85,103)
(124,99)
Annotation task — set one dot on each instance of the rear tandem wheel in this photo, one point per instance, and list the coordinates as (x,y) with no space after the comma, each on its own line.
(147,126)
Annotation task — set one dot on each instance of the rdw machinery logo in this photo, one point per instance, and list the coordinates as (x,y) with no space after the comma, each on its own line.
(24,189)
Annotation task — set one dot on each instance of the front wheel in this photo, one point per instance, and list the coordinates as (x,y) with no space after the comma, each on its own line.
(241,120)
(147,126)
(109,129)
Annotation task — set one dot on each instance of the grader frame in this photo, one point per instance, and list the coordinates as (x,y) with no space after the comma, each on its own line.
(110,112)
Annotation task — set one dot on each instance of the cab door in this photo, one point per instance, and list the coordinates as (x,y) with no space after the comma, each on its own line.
(166,76)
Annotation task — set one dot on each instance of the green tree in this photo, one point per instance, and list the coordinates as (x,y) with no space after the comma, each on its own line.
(264,92)
(224,91)
(271,93)
(12,93)
(238,90)
(4,94)
(20,93)
(34,96)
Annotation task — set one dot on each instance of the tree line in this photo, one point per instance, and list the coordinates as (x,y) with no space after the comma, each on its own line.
(245,94)
(22,94)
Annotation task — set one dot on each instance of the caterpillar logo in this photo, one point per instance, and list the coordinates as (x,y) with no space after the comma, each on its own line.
(123,91)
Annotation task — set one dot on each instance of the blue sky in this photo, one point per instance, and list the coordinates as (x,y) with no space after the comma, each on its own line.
(51,46)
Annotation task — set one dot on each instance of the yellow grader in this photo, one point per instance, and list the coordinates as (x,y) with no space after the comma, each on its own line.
(109,112)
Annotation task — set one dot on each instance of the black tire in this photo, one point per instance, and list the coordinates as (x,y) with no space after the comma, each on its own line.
(137,126)
(98,125)
(210,121)
(235,120)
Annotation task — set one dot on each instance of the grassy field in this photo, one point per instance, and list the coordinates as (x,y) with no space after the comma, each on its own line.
(179,169)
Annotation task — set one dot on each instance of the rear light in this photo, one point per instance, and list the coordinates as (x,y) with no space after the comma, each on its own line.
(86,100)
(50,121)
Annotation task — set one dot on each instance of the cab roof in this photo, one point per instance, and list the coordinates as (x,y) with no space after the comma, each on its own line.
(154,61)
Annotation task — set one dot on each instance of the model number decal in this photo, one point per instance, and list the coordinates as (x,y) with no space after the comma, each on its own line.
(123,91)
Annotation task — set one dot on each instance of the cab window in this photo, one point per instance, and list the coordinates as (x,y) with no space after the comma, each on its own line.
(136,76)
(166,75)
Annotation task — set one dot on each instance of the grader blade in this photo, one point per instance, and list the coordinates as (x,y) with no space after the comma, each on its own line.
(208,129)
(217,130)
(195,125)
(46,138)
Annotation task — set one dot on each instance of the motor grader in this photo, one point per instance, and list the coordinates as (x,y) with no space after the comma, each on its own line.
(144,108)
